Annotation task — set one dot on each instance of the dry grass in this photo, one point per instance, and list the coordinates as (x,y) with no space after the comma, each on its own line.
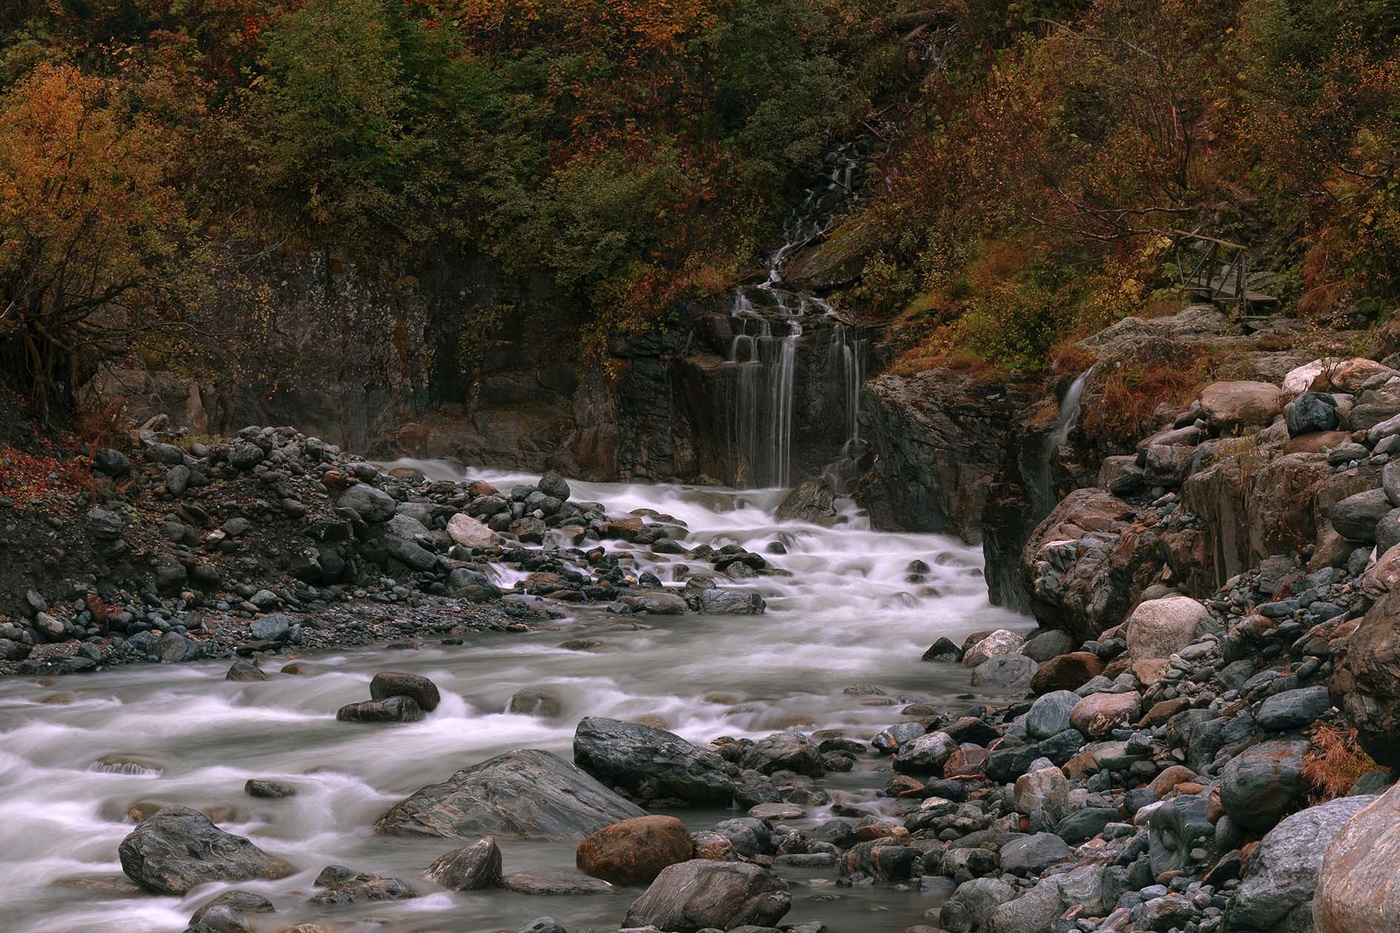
(1334,763)
(1133,393)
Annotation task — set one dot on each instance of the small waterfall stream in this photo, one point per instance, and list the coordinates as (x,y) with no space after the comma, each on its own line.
(1042,491)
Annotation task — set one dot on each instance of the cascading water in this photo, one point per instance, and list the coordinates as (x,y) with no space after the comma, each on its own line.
(848,612)
(766,326)
(1042,491)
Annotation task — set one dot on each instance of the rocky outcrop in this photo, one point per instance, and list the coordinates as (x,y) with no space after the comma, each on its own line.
(527,793)
(1366,685)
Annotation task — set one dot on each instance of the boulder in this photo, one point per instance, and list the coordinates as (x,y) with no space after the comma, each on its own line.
(469,533)
(972,903)
(784,751)
(718,602)
(1047,644)
(1358,883)
(1293,709)
(1277,889)
(1158,628)
(925,754)
(1050,714)
(635,851)
(1000,642)
(1355,517)
(1042,796)
(178,848)
(1312,411)
(1258,785)
(1066,672)
(552,883)
(1005,671)
(700,894)
(1366,682)
(1230,405)
(392,709)
(1031,855)
(346,886)
(469,868)
(1098,714)
(527,793)
(812,501)
(416,687)
(372,505)
(649,763)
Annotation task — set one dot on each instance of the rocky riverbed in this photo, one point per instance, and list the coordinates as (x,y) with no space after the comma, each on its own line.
(1199,737)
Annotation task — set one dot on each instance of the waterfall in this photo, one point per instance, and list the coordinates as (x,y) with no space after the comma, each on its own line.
(1042,491)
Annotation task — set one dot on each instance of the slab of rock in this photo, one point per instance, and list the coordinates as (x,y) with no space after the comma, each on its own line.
(1293,709)
(1277,889)
(925,754)
(1258,785)
(1050,714)
(700,894)
(543,882)
(1358,884)
(178,848)
(649,763)
(1031,855)
(972,903)
(1228,405)
(469,868)
(393,709)
(635,851)
(416,687)
(527,793)
(1005,671)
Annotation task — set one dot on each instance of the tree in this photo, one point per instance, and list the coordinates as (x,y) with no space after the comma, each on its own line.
(89,228)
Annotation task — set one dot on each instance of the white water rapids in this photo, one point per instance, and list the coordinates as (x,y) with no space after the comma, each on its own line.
(847,614)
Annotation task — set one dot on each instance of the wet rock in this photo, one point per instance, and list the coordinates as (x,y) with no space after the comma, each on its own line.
(1312,411)
(392,709)
(536,701)
(656,602)
(1276,891)
(528,793)
(235,901)
(543,882)
(944,650)
(925,754)
(220,919)
(784,751)
(700,894)
(346,886)
(416,687)
(718,601)
(469,868)
(543,925)
(268,790)
(649,763)
(178,848)
(1000,642)
(1260,784)
(635,851)
(372,505)
(812,501)
(1066,672)
(1293,709)
(1358,887)
(883,860)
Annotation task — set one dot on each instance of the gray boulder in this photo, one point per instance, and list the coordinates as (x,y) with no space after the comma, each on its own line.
(972,903)
(700,894)
(178,848)
(1293,709)
(1031,855)
(392,709)
(527,793)
(1355,517)
(784,751)
(469,868)
(416,687)
(1049,715)
(1276,891)
(1005,671)
(373,505)
(650,764)
(1262,782)
(1358,885)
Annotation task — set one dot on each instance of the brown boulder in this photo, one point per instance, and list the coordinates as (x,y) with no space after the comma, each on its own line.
(1066,672)
(634,851)
(1316,442)
(1366,684)
(1358,886)
(1098,714)
(1230,405)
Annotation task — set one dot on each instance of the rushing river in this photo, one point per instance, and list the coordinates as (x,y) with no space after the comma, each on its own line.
(846,615)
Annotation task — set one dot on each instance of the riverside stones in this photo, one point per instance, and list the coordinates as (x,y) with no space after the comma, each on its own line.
(1259,784)
(1355,517)
(527,793)
(416,687)
(390,709)
(1051,714)
(177,849)
(649,763)
(373,505)
(1275,894)
(469,533)
(1158,628)
(699,894)
(635,851)
(784,751)
(1000,642)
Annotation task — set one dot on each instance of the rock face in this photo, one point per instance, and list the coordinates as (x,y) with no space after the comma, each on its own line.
(1358,889)
(1364,685)
(1276,892)
(649,763)
(939,437)
(635,851)
(700,894)
(178,848)
(527,793)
